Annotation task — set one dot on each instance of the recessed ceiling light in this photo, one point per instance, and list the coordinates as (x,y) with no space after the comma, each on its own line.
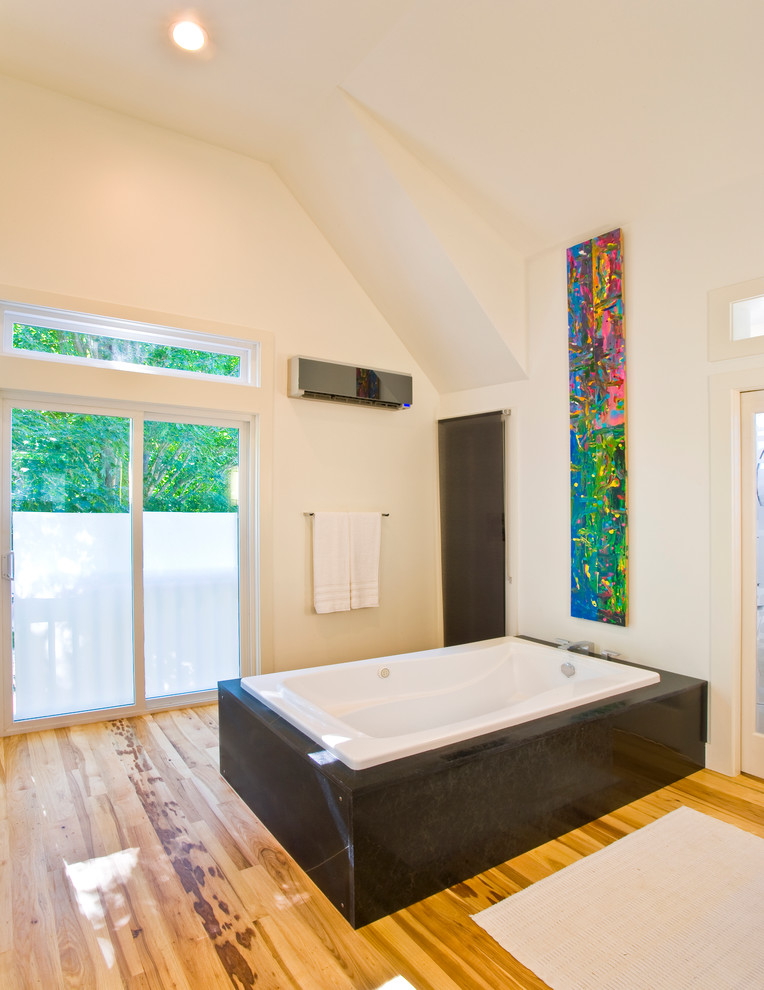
(188,35)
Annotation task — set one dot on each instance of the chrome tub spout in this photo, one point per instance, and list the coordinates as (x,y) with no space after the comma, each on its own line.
(580,644)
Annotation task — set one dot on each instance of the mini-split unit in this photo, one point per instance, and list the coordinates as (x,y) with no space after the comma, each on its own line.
(310,378)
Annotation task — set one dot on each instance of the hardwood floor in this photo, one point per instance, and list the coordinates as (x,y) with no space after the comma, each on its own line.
(127,861)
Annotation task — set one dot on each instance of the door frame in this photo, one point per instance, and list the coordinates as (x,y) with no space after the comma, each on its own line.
(248,486)
(723,751)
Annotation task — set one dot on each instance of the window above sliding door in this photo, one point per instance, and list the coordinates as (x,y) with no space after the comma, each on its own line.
(81,338)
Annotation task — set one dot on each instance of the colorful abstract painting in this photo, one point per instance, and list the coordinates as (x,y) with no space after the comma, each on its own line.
(599,535)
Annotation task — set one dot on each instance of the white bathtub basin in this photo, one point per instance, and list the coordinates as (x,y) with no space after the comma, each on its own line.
(372,711)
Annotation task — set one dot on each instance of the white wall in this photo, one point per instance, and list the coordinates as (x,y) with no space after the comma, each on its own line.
(672,259)
(99,207)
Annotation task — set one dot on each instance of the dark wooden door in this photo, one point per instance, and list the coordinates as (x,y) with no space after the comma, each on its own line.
(471,468)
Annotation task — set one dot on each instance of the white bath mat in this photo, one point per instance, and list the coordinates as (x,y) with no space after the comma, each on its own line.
(676,904)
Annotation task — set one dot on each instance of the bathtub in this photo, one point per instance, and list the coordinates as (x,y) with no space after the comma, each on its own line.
(368,712)
(377,839)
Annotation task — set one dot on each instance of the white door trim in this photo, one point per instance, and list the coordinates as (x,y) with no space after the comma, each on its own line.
(725,390)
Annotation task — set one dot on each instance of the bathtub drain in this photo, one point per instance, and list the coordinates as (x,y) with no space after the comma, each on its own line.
(383,672)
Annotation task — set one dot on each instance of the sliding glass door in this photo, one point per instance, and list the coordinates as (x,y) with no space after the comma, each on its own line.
(124,572)
(190,556)
(72,613)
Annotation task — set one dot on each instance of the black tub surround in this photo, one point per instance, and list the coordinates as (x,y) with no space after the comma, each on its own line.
(376,840)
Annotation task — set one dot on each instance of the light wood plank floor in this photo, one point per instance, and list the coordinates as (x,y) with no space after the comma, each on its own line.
(127,861)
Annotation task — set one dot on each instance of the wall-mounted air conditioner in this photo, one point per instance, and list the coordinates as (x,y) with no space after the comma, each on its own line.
(310,378)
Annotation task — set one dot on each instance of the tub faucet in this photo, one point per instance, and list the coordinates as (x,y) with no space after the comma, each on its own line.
(582,644)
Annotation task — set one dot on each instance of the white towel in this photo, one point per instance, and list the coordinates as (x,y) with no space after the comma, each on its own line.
(365,530)
(331,562)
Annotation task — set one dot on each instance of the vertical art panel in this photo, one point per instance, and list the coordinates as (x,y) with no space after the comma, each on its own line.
(599,541)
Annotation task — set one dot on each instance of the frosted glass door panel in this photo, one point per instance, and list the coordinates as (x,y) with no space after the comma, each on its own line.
(72,590)
(190,557)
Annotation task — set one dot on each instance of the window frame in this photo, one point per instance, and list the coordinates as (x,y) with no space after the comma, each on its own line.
(721,344)
(248,352)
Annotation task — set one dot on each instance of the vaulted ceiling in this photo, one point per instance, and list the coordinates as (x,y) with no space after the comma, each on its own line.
(437,143)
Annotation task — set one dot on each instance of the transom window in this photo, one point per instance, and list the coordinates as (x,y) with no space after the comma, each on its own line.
(748,318)
(736,320)
(80,338)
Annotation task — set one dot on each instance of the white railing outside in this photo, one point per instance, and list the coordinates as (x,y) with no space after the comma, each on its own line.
(73,611)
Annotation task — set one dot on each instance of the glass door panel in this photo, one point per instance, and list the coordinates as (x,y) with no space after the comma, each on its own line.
(752,584)
(758,672)
(190,556)
(72,620)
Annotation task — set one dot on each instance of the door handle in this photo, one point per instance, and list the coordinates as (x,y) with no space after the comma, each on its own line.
(9,566)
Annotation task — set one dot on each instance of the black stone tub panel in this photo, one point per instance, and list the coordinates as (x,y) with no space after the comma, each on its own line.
(376,840)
